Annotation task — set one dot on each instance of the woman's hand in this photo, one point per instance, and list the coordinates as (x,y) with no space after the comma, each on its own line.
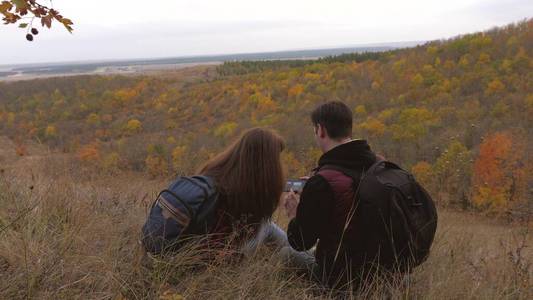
(290,201)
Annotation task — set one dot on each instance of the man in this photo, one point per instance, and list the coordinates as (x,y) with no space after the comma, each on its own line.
(324,210)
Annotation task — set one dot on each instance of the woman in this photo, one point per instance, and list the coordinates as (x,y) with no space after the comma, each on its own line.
(248,179)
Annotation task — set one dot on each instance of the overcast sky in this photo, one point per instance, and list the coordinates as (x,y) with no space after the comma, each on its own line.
(109,29)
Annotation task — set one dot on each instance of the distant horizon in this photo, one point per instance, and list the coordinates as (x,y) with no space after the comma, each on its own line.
(392,45)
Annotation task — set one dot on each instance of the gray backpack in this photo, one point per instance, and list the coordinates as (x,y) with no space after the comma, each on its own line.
(183,210)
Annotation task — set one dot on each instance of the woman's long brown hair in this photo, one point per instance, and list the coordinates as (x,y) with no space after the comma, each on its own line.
(250,175)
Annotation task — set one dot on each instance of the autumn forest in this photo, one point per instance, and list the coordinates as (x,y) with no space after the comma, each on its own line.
(456,112)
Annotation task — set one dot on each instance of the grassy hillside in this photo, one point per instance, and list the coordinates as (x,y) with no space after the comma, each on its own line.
(74,235)
(81,159)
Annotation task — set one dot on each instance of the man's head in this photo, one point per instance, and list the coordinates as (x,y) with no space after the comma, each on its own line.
(333,123)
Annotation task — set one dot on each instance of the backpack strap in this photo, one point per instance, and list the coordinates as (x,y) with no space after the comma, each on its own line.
(207,207)
(356,177)
(389,165)
(184,203)
(384,163)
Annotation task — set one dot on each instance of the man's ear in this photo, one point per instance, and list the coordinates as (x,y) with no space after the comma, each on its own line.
(321,131)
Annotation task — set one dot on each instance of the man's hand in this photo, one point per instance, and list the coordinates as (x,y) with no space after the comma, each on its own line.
(291,200)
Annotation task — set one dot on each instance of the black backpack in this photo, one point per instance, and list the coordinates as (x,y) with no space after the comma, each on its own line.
(393,219)
(186,208)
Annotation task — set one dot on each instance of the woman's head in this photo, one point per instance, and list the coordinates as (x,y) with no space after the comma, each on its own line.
(250,174)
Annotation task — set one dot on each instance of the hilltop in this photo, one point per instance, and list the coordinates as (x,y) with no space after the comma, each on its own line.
(82,157)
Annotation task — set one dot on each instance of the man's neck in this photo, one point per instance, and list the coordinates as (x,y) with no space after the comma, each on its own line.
(332,144)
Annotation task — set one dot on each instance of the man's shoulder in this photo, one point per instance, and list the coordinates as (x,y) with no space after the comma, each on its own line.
(315,178)
(316,181)
(335,172)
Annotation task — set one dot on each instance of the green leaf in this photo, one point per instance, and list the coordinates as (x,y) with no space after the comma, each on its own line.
(23,25)
(20,4)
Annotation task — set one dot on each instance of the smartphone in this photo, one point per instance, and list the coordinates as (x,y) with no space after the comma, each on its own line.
(296,185)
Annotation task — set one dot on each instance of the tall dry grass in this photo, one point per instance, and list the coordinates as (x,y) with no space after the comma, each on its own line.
(69,233)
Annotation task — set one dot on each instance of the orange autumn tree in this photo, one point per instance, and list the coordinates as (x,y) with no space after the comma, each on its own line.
(499,173)
(423,171)
(90,153)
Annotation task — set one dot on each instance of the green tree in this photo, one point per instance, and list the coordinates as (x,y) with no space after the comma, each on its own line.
(413,123)
(453,170)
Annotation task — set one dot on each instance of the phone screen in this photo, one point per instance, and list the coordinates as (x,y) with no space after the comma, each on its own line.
(296,185)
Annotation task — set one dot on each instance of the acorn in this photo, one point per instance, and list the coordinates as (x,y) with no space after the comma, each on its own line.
(34,31)
(29,37)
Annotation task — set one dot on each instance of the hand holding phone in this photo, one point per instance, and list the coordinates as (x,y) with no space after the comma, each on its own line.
(291,201)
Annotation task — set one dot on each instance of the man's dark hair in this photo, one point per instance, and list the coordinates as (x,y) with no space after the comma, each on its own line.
(336,117)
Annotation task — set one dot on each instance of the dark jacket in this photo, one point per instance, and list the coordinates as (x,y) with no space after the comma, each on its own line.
(323,211)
